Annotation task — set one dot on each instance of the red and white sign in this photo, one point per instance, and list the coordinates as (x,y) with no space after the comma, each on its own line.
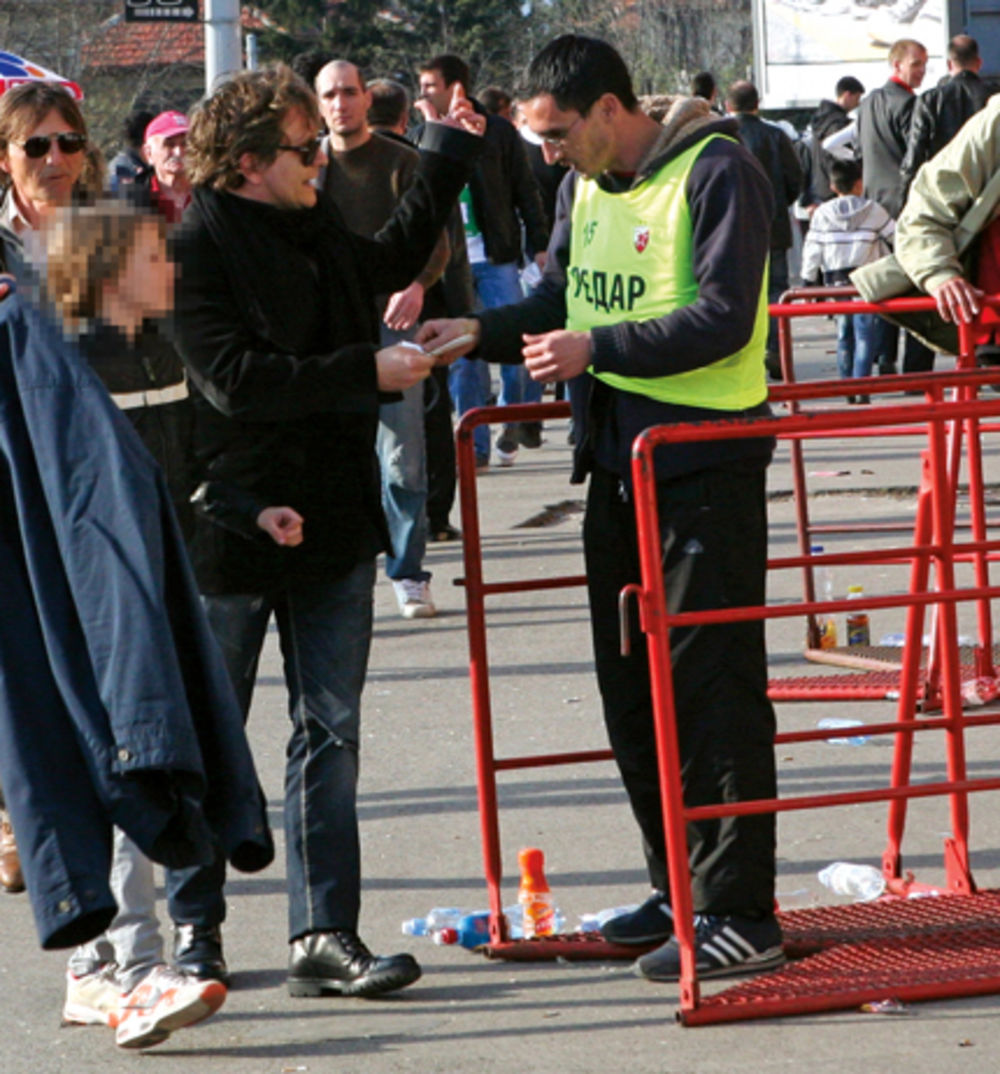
(15,70)
(640,238)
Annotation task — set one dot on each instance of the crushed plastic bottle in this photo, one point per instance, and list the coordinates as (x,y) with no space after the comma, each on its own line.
(897,641)
(980,691)
(832,723)
(595,922)
(470,929)
(863,883)
(441,917)
(473,930)
(885,1006)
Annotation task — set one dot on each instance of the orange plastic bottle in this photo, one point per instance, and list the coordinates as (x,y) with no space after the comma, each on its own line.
(534,895)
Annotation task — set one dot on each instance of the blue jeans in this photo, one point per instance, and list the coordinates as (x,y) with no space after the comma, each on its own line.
(856,344)
(469,382)
(402,460)
(325,630)
(500,285)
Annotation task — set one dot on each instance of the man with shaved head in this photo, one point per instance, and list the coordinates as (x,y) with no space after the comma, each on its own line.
(365,176)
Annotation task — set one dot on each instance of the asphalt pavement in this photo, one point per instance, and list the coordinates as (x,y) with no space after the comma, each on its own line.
(421,842)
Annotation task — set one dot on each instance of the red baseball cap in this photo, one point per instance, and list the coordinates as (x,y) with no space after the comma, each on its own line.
(167,124)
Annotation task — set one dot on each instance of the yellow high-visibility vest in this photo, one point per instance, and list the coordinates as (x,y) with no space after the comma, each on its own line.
(630,260)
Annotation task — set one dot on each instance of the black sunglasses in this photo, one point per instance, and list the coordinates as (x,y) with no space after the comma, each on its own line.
(38,145)
(307,152)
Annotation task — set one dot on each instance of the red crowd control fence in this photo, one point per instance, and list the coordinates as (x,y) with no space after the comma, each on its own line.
(933,551)
(801,302)
(840,954)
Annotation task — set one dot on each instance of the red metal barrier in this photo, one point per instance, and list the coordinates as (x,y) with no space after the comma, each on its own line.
(934,550)
(936,542)
(800,302)
(476,592)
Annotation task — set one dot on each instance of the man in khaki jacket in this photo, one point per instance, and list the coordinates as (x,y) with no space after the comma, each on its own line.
(954,199)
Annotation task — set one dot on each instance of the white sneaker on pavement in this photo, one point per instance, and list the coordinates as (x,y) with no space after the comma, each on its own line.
(93,999)
(162,1002)
(414,597)
(506,445)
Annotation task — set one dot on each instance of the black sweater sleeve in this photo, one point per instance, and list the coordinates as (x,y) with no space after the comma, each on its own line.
(401,249)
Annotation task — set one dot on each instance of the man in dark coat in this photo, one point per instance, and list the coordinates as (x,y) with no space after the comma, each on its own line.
(275,320)
(884,119)
(830,117)
(502,197)
(773,148)
(941,111)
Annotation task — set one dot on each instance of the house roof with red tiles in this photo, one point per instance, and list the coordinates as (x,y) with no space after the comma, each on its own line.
(121,45)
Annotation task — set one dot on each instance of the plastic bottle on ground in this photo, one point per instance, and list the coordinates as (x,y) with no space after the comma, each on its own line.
(823,577)
(595,922)
(534,895)
(832,723)
(863,883)
(858,628)
(441,917)
(470,929)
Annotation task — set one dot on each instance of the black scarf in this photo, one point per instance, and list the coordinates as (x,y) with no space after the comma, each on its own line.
(278,258)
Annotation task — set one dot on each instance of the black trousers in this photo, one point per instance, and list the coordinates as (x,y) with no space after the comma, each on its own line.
(917,358)
(440,440)
(713,533)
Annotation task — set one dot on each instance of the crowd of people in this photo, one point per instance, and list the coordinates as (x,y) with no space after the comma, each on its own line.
(253,304)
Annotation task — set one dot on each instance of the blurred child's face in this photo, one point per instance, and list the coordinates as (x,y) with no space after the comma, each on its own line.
(146,283)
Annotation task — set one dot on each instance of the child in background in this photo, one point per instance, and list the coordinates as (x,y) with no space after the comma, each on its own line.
(844,234)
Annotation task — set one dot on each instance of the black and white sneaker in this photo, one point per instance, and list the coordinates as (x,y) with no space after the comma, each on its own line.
(652,922)
(724,947)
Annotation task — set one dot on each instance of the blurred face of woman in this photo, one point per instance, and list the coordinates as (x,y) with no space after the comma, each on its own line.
(145,286)
(46,181)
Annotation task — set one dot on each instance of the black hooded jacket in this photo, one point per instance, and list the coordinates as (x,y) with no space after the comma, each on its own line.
(826,120)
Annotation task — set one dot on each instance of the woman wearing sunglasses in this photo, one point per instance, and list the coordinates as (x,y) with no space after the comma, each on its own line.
(43,138)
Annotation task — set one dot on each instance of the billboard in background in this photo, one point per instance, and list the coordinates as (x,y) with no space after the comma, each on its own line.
(802,47)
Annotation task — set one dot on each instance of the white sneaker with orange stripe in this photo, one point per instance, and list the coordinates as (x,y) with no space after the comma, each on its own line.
(163,1002)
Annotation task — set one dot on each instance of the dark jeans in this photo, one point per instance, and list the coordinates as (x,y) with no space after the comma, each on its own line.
(916,357)
(713,529)
(325,634)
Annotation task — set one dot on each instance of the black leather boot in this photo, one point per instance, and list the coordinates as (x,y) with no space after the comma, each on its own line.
(339,962)
(198,952)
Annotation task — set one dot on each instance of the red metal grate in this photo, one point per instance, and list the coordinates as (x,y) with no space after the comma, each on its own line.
(821,926)
(877,677)
(867,686)
(843,956)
